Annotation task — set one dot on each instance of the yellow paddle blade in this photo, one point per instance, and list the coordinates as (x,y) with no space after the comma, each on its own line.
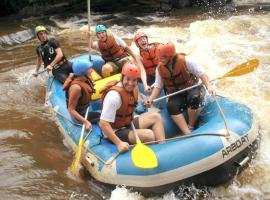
(143,156)
(243,68)
(77,159)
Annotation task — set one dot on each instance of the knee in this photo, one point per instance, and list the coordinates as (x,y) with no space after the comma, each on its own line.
(156,117)
(149,135)
(106,70)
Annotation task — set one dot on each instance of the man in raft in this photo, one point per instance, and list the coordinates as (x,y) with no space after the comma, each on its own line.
(148,52)
(79,88)
(175,72)
(116,53)
(118,103)
(50,53)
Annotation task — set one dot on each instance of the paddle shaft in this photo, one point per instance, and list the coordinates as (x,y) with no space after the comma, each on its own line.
(89,28)
(134,131)
(175,93)
(83,127)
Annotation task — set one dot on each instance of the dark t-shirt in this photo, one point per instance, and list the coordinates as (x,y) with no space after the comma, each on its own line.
(47,51)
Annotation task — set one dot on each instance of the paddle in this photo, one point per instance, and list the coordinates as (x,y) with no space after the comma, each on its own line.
(141,155)
(89,27)
(76,161)
(239,70)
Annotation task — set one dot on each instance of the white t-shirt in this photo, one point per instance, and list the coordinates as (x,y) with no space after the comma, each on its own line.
(192,67)
(112,102)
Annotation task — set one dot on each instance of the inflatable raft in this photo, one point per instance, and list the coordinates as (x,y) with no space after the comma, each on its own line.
(205,157)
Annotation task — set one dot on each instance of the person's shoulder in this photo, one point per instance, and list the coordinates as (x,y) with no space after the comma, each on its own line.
(113,95)
(53,41)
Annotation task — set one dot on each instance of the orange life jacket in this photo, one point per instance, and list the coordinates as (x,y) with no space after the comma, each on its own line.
(124,115)
(110,50)
(178,77)
(87,89)
(150,59)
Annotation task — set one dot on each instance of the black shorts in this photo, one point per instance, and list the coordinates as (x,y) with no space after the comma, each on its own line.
(61,72)
(193,99)
(122,133)
(150,80)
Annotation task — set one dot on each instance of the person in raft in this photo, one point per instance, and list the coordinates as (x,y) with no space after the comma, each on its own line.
(148,52)
(116,53)
(79,88)
(118,104)
(175,72)
(50,53)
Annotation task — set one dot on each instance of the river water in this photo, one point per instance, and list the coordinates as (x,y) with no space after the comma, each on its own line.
(34,160)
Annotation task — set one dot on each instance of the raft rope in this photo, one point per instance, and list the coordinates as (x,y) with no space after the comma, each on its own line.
(109,161)
(223,117)
(221,113)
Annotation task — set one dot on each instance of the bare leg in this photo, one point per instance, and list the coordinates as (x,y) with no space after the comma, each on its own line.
(181,123)
(193,116)
(106,70)
(152,121)
(145,135)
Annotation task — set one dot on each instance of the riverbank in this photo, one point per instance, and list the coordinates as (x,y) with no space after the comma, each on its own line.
(26,8)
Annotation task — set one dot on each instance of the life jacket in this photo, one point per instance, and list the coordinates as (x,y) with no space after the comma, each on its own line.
(178,77)
(150,59)
(87,89)
(47,52)
(124,115)
(110,50)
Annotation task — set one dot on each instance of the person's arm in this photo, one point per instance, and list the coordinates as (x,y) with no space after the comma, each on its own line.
(107,129)
(140,64)
(200,72)
(137,61)
(38,65)
(58,57)
(158,85)
(74,95)
(94,44)
(207,84)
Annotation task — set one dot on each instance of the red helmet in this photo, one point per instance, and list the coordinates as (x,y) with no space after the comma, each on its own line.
(138,36)
(167,50)
(131,70)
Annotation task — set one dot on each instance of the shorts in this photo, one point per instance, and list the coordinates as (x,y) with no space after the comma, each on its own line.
(117,65)
(61,72)
(150,80)
(193,99)
(123,132)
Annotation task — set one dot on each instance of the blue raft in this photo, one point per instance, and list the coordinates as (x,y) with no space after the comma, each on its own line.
(204,157)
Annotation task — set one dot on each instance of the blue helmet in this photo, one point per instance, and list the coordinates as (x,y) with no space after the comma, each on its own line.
(101,28)
(80,67)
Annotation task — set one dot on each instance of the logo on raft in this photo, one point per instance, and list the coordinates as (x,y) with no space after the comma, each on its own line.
(233,146)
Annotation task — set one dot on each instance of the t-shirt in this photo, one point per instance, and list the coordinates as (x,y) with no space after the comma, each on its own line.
(111,103)
(192,67)
(47,50)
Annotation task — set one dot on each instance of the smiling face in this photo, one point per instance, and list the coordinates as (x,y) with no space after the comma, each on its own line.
(129,83)
(102,36)
(143,42)
(42,36)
